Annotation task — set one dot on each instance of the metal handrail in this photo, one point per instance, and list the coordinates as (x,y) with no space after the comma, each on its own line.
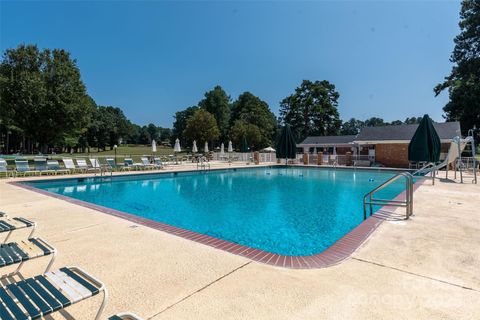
(407,203)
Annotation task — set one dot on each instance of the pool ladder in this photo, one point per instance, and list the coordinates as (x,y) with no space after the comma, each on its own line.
(369,201)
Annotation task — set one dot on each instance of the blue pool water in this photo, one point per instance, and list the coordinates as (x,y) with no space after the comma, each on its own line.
(290,211)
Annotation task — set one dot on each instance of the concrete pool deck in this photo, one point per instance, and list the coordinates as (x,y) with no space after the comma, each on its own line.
(423,268)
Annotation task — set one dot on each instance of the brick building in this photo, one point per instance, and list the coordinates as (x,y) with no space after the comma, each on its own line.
(386,145)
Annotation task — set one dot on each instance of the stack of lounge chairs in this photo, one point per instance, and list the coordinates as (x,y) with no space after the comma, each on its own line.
(52,291)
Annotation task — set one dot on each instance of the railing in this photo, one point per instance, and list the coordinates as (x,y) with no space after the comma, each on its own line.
(370,201)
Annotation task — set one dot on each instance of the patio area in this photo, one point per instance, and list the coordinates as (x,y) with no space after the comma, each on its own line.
(423,268)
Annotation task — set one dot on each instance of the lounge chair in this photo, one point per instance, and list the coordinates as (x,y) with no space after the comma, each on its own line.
(83,166)
(18,252)
(96,166)
(4,167)
(9,225)
(70,165)
(39,296)
(112,165)
(54,166)
(130,164)
(41,165)
(147,163)
(158,162)
(21,166)
(125,316)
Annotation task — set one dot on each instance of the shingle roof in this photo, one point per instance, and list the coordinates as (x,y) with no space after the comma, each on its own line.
(446,130)
(328,140)
(403,132)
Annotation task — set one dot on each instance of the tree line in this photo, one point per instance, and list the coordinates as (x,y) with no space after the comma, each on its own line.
(44,105)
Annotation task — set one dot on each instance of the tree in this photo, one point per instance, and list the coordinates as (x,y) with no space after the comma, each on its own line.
(202,127)
(395,123)
(375,122)
(217,102)
(153,131)
(351,127)
(43,95)
(463,83)
(254,112)
(312,110)
(108,126)
(413,120)
(251,132)
(180,123)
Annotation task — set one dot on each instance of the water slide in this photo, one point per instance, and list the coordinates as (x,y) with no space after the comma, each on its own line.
(456,148)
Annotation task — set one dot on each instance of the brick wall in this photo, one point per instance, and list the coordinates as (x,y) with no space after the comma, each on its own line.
(392,155)
(396,154)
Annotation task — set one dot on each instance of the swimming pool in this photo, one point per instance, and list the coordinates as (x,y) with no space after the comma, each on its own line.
(294,211)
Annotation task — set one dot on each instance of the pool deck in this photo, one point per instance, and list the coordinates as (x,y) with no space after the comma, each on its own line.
(423,268)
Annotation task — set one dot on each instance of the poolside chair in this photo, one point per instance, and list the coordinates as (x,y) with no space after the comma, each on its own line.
(125,316)
(96,166)
(70,165)
(21,166)
(39,296)
(112,165)
(146,164)
(158,163)
(82,165)
(41,165)
(9,225)
(54,166)
(18,252)
(130,164)
(4,167)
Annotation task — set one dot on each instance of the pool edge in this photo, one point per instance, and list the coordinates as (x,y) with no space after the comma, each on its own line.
(342,249)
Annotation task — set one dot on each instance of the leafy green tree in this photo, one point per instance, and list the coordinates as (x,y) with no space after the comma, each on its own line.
(312,110)
(351,127)
(153,131)
(43,95)
(463,83)
(251,110)
(251,132)
(217,102)
(145,137)
(375,122)
(202,127)
(413,120)
(180,123)
(395,123)
(108,126)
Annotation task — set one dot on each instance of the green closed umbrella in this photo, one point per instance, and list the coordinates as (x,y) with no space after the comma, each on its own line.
(244,146)
(286,146)
(425,144)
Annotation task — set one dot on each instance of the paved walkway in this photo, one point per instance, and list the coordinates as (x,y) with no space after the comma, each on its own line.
(424,268)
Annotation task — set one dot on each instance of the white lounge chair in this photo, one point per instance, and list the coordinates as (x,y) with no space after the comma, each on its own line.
(4,168)
(70,165)
(147,163)
(54,166)
(21,166)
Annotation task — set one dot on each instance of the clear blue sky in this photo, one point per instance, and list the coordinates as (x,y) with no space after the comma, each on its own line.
(153,58)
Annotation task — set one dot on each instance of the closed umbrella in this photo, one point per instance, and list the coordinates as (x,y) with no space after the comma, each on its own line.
(286,146)
(230,146)
(194,147)
(425,144)
(154,146)
(205,149)
(222,149)
(244,146)
(177,147)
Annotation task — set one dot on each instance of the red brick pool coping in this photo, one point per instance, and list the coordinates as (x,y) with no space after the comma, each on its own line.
(336,253)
